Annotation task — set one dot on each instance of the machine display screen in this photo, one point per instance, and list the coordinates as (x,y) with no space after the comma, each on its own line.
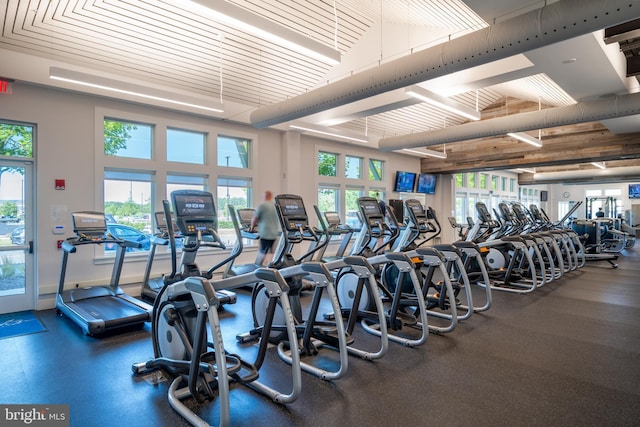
(416,207)
(332,218)
(370,207)
(89,221)
(161,222)
(194,205)
(291,207)
(246,216)
(483,212)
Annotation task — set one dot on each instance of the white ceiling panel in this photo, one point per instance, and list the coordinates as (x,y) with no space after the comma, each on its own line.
(174,45)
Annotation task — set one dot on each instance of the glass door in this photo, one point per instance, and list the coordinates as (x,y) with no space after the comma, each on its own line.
(17,289)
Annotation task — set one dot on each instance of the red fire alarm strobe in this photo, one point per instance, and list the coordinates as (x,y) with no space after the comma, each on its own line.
(59,184)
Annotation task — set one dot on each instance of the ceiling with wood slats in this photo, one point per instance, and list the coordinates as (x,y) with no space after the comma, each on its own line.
(178,46)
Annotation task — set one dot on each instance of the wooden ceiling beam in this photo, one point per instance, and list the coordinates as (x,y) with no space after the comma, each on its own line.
(565,145)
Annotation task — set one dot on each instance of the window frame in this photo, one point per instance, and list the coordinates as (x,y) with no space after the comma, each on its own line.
(164,169)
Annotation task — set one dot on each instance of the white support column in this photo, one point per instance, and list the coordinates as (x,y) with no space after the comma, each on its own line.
(291,163)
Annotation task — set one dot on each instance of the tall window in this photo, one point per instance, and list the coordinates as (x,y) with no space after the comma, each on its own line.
(327,164)
(185,182)
(377,192)
(127,139)
(461,209)
(351,196)
(185,146)
(128,207)
(459,177)
(237,193)
(233,152)
(351,215)
(494,182)
(484,181)
(352,167)
(471,180)
(472,200)
(376,170)
(328,199)
(15,141)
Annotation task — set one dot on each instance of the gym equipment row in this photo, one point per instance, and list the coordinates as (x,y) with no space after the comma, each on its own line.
(387,277)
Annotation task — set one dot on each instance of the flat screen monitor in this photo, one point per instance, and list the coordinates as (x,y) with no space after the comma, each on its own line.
(292,207)
(405,182)
(193,204)
(634,191)
(426,183)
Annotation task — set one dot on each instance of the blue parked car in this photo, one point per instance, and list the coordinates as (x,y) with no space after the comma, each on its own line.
(125,232)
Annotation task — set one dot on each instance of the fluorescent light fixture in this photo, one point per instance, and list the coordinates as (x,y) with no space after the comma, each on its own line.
(89,80)
(526,138)
(426,152)
(599,165)
(244,20)
(330,132)
(526,170)
(442,102)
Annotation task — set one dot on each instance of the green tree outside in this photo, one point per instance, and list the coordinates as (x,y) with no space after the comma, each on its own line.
(15,141)
(9,209)
(327,200)
(327,164)
(116,135)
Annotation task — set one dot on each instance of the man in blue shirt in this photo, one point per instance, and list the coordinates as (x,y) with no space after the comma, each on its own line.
(266,219)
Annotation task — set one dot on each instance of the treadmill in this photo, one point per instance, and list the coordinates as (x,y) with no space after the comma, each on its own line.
(98,309)
(152,285)
(245,218)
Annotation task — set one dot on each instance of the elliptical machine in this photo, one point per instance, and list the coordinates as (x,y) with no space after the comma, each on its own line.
(312,334)
(399,303)
(195,356)
(188,267)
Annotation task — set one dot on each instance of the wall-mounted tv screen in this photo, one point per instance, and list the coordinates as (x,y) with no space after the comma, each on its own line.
(426,183)
(405,182)
(634,191)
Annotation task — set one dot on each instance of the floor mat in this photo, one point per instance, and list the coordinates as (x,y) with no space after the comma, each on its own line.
(21,323)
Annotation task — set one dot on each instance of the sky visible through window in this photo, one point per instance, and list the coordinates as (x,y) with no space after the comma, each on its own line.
(122,191)
(11,188)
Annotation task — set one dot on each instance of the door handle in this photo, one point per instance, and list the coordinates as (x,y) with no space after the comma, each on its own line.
(30,246)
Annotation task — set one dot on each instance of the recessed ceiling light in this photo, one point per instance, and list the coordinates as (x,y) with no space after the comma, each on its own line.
(569,61)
